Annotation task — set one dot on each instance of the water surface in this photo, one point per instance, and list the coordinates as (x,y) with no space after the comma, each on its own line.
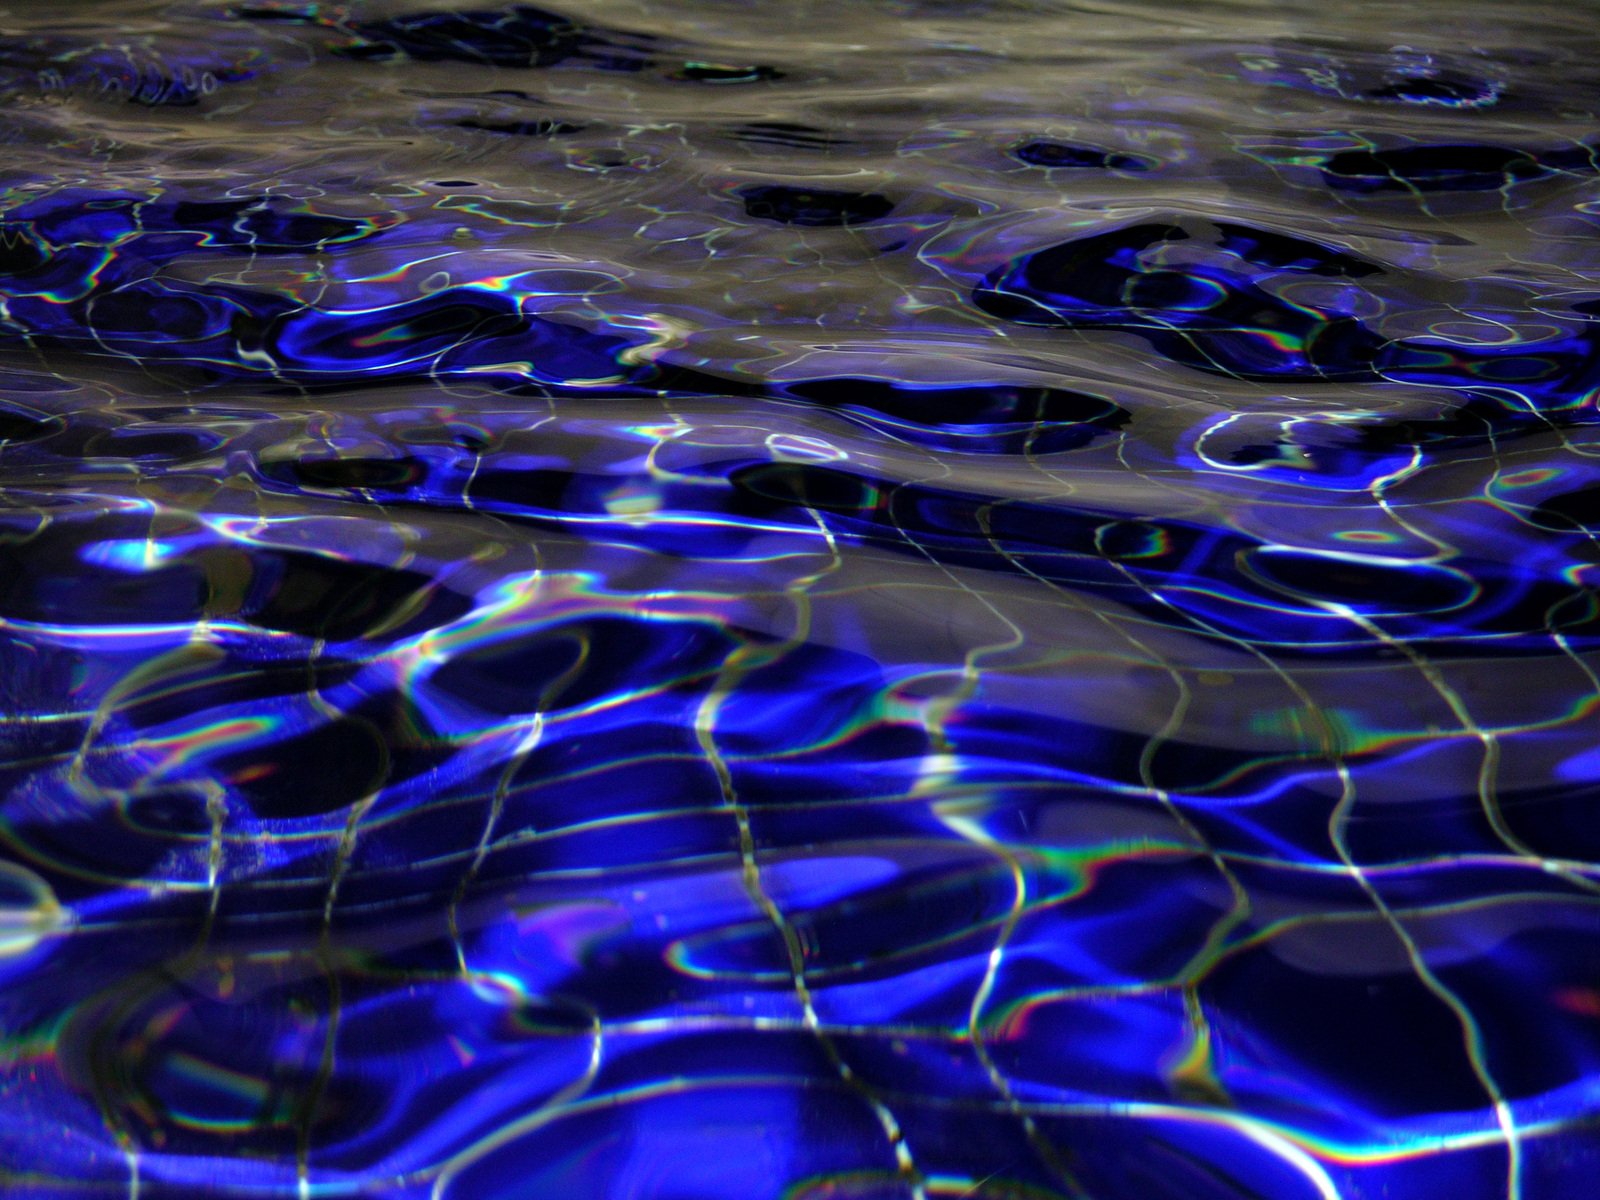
(696,600)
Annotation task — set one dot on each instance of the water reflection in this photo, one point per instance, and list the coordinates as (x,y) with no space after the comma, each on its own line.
(687,600)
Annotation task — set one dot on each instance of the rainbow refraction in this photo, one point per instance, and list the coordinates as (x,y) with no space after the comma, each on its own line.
(681,600)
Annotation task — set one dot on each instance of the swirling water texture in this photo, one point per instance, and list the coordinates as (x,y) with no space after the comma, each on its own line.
(696,600)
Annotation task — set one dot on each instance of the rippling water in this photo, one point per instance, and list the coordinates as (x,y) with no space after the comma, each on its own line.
(697,600)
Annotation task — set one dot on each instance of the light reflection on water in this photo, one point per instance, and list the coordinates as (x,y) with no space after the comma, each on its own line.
(696,600)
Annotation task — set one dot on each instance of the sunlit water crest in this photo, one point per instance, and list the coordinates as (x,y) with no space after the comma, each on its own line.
(708,601)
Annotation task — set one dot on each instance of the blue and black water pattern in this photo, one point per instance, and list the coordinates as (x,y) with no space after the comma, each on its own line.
(903,600)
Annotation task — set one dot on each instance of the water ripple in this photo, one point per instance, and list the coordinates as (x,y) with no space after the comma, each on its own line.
(686,599)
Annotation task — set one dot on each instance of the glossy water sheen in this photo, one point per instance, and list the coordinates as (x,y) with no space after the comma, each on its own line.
(697,600)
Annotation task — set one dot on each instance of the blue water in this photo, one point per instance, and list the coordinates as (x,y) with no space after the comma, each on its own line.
(806,601)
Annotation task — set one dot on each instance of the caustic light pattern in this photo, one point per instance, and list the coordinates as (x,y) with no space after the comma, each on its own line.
(693,601)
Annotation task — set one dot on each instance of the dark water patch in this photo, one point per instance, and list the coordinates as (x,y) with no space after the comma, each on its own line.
(384,474)
(322,771)
(570,666)
(1440,90)
(539,128)
(519,36)
(1463,167)
(814,207)
(1579,510)
(983,419)
(20,426)
(1058,154)
(317,596)
(1282,252)
(1206,310)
